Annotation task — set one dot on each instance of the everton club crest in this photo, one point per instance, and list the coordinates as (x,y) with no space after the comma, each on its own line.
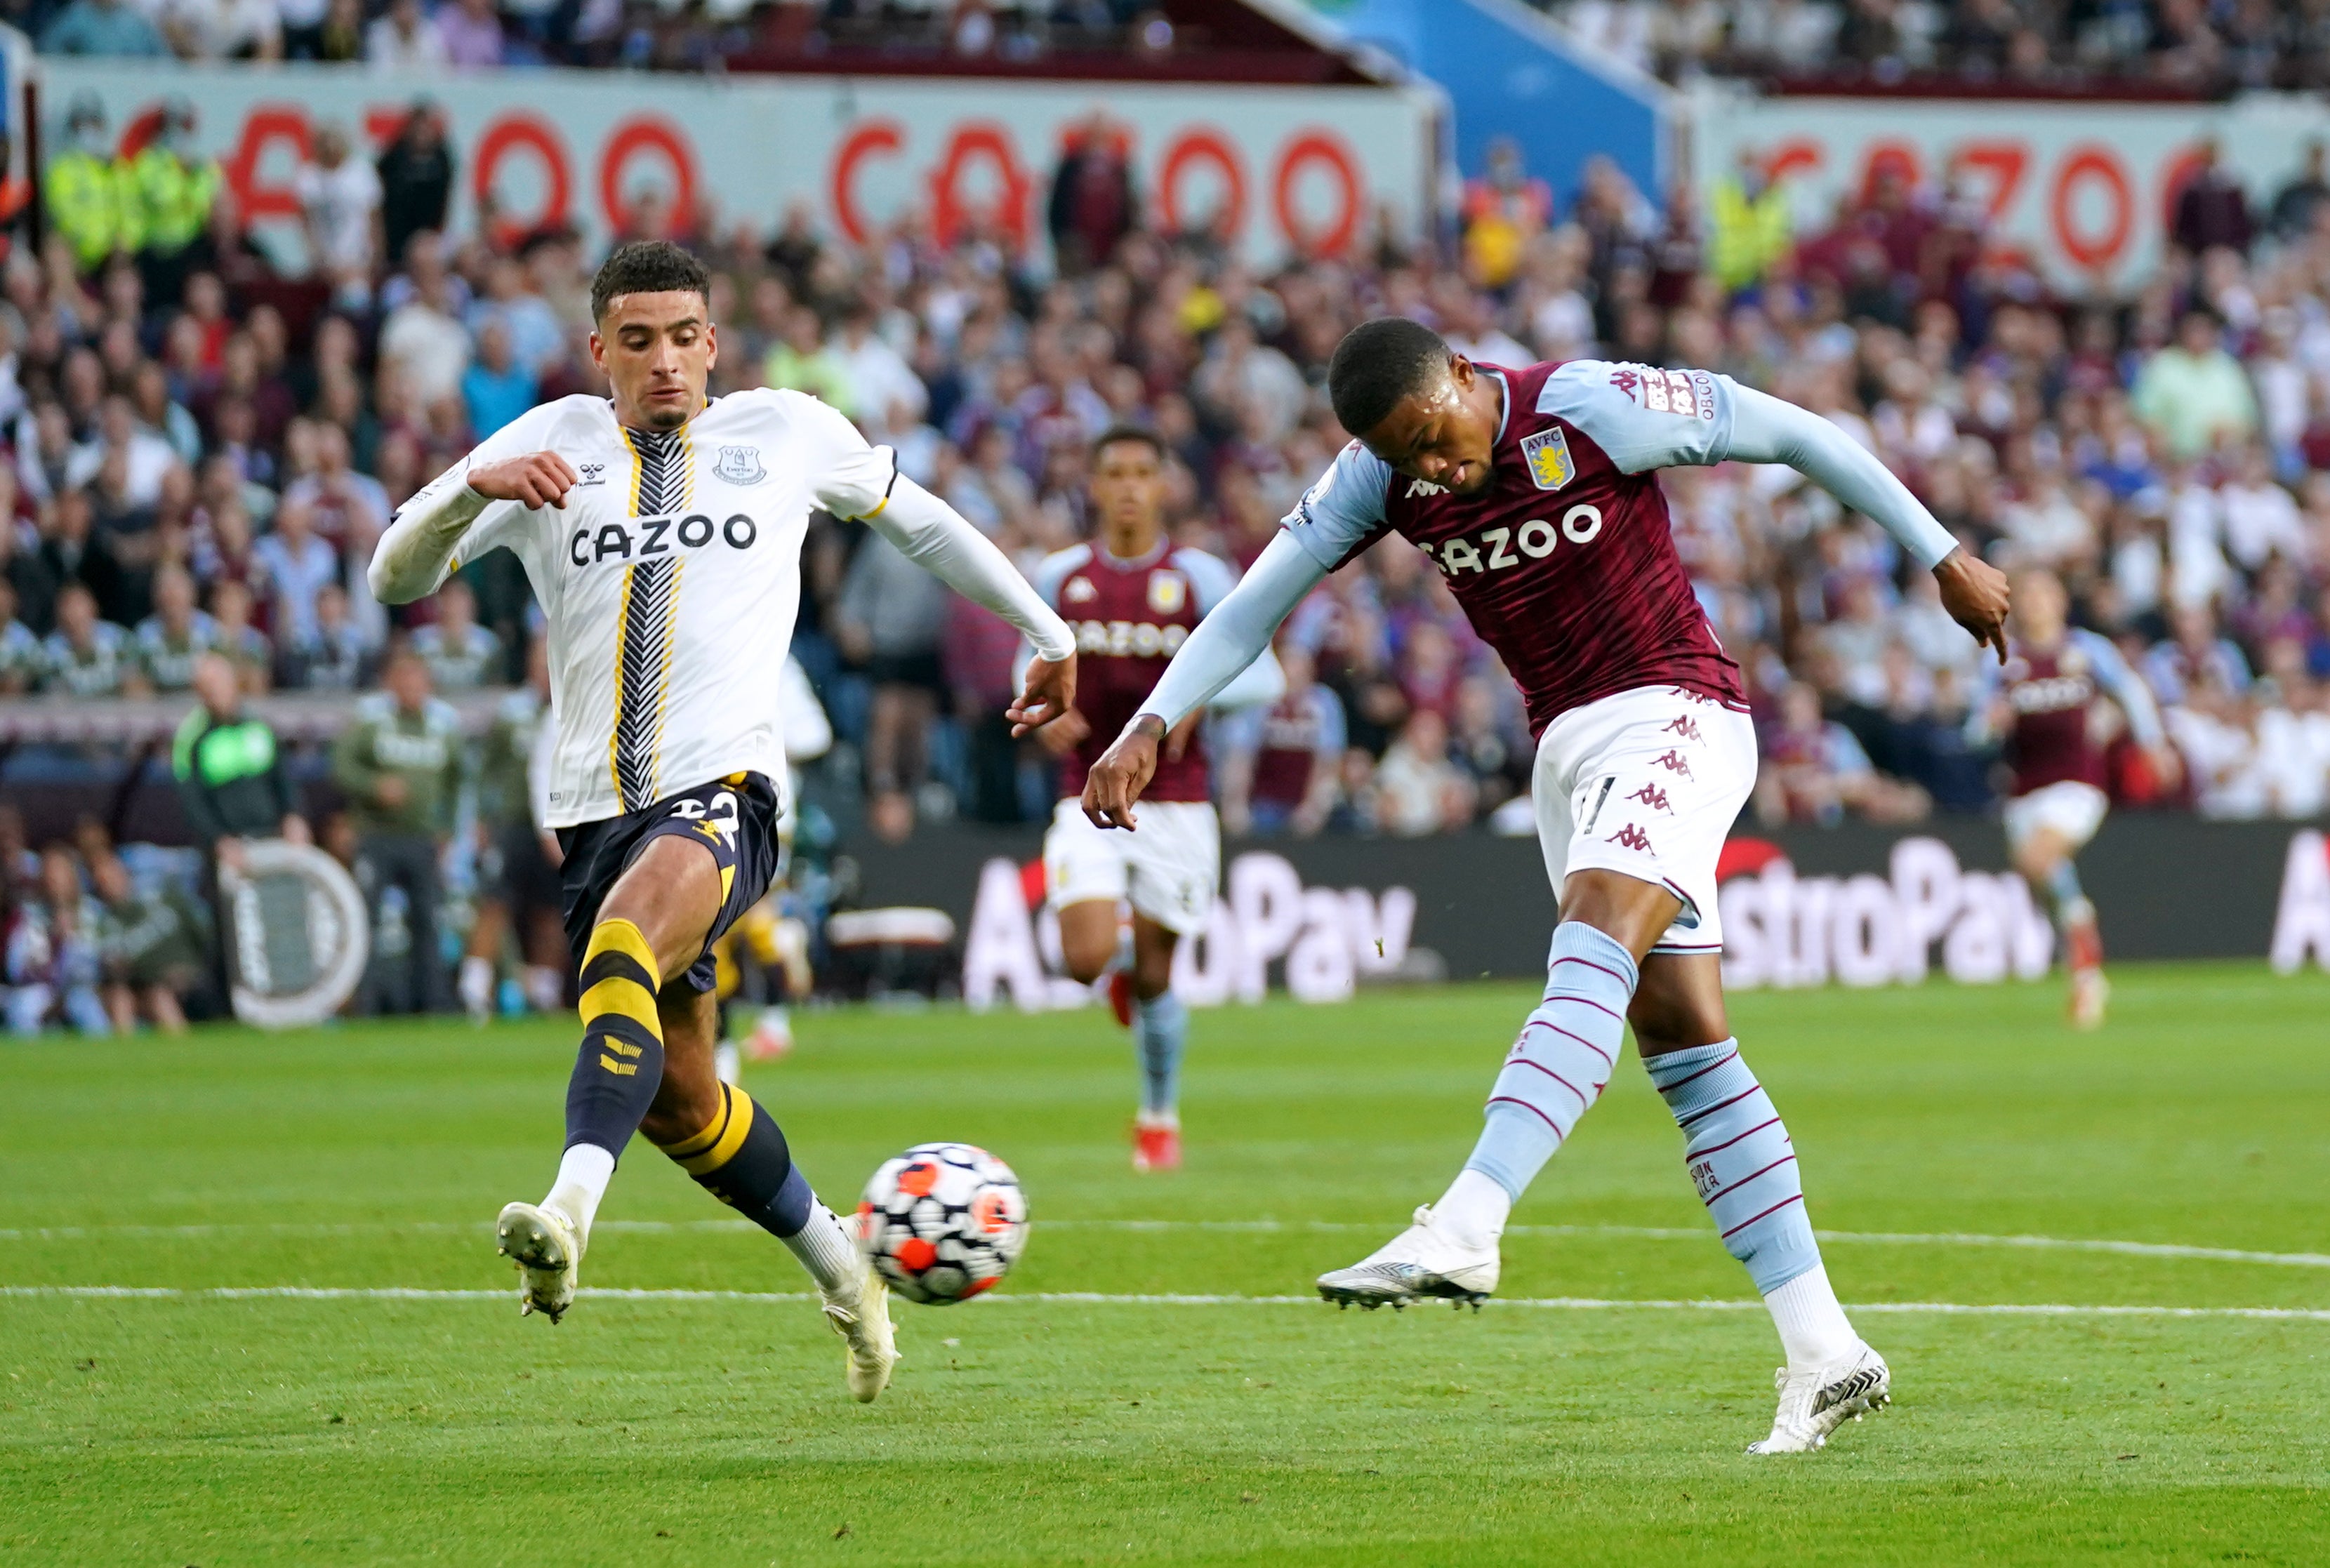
(1548,455)
(740,465)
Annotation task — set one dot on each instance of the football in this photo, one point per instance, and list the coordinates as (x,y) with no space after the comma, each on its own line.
(942,1221)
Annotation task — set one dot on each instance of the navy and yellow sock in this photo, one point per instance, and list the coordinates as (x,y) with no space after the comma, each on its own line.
(742,1159)
(620,1064)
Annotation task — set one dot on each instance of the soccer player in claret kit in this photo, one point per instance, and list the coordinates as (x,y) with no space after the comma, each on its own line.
(1535,492)
(1131,597)
(2045,701)
(662,534)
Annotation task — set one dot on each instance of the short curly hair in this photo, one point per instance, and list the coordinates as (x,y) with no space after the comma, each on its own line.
(648,266)
(1378,366)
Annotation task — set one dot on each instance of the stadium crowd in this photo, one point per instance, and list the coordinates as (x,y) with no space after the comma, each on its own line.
(200,451)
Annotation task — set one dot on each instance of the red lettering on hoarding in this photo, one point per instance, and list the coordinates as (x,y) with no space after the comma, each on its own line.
(1323,148)
(2100,168)
(2005,162)
(974,142)
(874,136)
(1898,158)
(266,125)
(646,133)
(1190,148)
(512,132)
(1798,154)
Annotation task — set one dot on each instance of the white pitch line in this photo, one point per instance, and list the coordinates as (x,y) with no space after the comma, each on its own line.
(1259,1227)
(1104,1298)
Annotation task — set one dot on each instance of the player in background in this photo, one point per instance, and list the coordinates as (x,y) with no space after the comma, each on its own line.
(2044,702)
(662,535)
(1131,597)
(1534,491)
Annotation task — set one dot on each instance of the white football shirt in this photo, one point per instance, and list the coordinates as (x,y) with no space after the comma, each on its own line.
(670,581)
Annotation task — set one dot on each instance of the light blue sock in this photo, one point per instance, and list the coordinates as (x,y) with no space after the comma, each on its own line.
(1557,1067)
(1739,1158)
(1161,1026)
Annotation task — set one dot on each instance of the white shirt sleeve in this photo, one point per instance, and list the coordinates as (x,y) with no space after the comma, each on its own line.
(1343,512)
(849,477)
(1645,418)
(445,523)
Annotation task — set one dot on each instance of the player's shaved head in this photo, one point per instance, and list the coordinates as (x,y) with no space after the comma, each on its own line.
(1416,404)
(1377,365)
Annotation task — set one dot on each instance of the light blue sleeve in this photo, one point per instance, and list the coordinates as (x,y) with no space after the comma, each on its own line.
(1335,735)
(1645,418)
(1343,512)
(1212,581)
(1238,632)
(1211,577)
(2121,684)
(1768,430)
(1053,569)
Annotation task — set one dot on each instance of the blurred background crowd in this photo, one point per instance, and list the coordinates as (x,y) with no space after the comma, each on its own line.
(199,444)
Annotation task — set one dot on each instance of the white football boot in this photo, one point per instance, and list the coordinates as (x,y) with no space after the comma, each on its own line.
(862,1318)
(548,1251)
(1421,1263)
(1815,1403)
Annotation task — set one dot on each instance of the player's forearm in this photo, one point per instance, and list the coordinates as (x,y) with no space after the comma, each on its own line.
(417,550)
(1260,682)
(939,539)
(1766,429)
(1237,633)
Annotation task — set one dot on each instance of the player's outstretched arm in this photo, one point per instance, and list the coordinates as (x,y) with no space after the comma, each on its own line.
(1767,429)
(1233,633)
(413,555)
(942,541)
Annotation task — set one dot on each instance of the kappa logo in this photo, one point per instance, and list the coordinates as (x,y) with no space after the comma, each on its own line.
(1079,591)
(1632,838)
(1682,724)
(1673,763)
(1651,795)
(1424,488)
(740,465)
(1546,453)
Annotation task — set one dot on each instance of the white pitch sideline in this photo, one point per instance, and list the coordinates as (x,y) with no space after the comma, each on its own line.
(1104,1298)
(1260,1227)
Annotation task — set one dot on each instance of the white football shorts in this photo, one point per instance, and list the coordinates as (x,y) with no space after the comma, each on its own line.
(1166,868)
(1647,783)
(2069,808)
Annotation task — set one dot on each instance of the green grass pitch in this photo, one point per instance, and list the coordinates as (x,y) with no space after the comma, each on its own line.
(190,1426)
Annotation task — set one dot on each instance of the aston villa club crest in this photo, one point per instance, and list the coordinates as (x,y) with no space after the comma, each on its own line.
(1548,455)
(740,465)
(1167,592)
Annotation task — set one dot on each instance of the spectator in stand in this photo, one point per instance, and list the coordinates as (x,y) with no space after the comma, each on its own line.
(244,646)
(153,949)
(339,203)
(1281,764)
(337,657)
(977,651)
(423,341)
(416,179)
(51,958)
(2195,658)
(1505,210)
(170,194)
(230,769)
(800,361)
(887,620)
(2213,211)
(1418,791)
(403,39)
(103,27)
(2296,203)
(2194,395)
(538,339)
(299,565)
(174,638)
(462,654)
(85,656)
(400,764)
(1093,202)
(20,654)
(472,33)
(83,185)
(223,29)
(1815,770)
(497,388)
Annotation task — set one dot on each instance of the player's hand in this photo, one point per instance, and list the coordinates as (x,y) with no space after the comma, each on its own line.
(1049,692)
(1176,739)
(1975,593)
(2167,766)
(1123,772)
(535,480)
(1064,733)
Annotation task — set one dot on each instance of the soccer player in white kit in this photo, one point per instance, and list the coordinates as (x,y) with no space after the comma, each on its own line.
(662,534)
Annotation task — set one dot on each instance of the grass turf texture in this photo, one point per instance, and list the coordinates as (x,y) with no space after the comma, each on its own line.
(218,1431)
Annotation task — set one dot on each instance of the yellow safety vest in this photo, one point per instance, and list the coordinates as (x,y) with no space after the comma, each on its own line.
(84,195)
(1749,236)
(168,200)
